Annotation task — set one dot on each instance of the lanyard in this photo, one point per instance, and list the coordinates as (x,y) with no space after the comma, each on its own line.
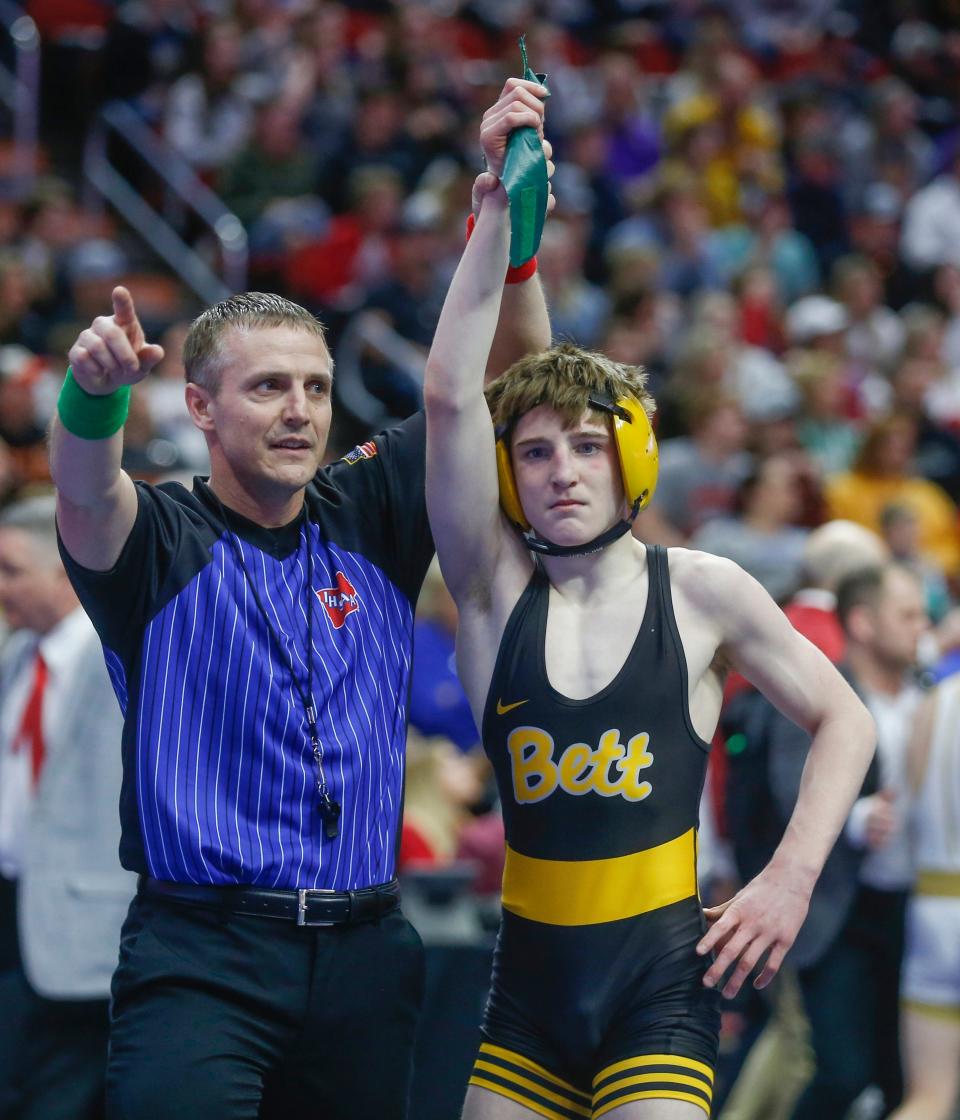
(330,809)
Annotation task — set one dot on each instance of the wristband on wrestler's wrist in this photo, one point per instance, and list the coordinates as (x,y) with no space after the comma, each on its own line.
(90,416)
(514,275)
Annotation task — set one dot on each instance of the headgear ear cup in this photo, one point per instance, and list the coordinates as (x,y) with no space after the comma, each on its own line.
(509,498)
(637,449)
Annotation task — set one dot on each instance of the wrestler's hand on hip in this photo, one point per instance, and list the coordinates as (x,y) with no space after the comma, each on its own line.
(113,351)
(760,921)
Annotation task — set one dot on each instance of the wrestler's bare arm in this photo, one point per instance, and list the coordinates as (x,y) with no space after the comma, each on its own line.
(483,561)
(795,676)
(96,500)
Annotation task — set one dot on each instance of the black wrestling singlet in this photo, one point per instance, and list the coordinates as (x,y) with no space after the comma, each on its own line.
(615,778)
(596,958)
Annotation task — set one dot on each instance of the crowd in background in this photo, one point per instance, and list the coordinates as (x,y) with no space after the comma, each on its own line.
(758,201)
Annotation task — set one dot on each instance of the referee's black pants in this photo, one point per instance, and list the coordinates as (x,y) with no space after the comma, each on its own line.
(233,1017)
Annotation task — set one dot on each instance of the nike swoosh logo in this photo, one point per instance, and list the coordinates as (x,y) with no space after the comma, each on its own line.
(502,708)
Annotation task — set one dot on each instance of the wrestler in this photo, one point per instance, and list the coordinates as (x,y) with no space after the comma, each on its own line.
(594,666)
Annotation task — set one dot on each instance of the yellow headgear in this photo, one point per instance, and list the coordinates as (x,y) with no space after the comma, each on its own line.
(636,449)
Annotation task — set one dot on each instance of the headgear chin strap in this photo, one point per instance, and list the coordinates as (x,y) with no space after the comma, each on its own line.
(614,533)
(637,451)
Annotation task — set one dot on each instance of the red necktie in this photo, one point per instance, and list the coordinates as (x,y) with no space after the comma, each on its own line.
(30,734)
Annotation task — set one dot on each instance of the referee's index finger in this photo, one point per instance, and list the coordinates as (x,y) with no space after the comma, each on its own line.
(124,313)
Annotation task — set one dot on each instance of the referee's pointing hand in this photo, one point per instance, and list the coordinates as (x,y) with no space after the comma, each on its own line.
(113,351)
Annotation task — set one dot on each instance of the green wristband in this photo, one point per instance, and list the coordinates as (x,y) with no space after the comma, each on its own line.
(89,416)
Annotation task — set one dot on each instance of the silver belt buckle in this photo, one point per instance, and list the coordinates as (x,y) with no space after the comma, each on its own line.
(302,907)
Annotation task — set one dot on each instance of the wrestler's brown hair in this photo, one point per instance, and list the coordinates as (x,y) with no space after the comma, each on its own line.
(563,377)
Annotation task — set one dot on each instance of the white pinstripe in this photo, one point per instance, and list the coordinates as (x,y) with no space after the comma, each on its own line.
(118,678)
(163,708)
(223,716)
(176,761)
(243,714)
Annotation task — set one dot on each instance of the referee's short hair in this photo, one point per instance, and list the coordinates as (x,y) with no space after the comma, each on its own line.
(202,352)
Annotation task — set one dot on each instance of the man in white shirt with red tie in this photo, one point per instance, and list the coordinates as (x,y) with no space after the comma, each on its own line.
(63,894)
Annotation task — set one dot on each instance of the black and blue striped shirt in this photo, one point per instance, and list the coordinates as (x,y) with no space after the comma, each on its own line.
(220,782)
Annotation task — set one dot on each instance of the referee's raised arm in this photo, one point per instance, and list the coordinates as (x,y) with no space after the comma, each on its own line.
(96,500)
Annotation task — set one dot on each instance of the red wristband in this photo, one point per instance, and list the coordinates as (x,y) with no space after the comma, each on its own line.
(514,275)
(521,272)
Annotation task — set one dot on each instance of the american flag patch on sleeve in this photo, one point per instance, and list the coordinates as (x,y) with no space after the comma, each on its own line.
(362,451)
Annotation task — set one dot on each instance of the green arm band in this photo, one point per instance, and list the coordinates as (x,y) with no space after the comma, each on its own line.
(89,416)
(525,181)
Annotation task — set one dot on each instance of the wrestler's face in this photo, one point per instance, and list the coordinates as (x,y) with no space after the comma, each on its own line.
(568,476)
(267,422)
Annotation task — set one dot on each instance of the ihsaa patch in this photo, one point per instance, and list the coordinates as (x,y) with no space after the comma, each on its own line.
(361,451)
(339,601)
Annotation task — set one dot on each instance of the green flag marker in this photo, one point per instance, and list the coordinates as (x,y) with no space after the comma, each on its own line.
(525,181)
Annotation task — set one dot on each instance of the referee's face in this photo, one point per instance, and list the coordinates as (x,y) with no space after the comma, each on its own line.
(267,423)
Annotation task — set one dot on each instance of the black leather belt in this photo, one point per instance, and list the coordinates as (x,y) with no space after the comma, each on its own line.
(305,907)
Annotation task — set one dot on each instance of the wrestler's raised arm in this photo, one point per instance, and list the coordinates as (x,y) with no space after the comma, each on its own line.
(96,500)
(462,491)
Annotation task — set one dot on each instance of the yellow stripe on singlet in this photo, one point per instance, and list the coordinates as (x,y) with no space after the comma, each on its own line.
(656,1095)
(502,1091)
(531,1066)
(519,1084)
(587,892)
(942,884)
(679,1080)
(656,1060)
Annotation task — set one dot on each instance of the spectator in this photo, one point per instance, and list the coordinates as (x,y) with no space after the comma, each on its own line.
(888,147)
(780,1062)
(824,430)
(926,391)
(335,271)
(438,704)
(849,949)
(931,984)
(578,309)
(442,784)
(875,335)
(274,167)
(375,140)
(762,535)
(900,528)
(931,224)
(816,198)
(64,892)
(875,224)
(882,474)
(207,118)
(766,237)
(405,303)
(728,138)
(947,289)
(699,473)
(167,417)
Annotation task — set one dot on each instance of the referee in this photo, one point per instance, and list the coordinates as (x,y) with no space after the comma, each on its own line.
(257,629)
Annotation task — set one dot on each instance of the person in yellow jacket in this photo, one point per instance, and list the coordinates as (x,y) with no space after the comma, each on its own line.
(880,475)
